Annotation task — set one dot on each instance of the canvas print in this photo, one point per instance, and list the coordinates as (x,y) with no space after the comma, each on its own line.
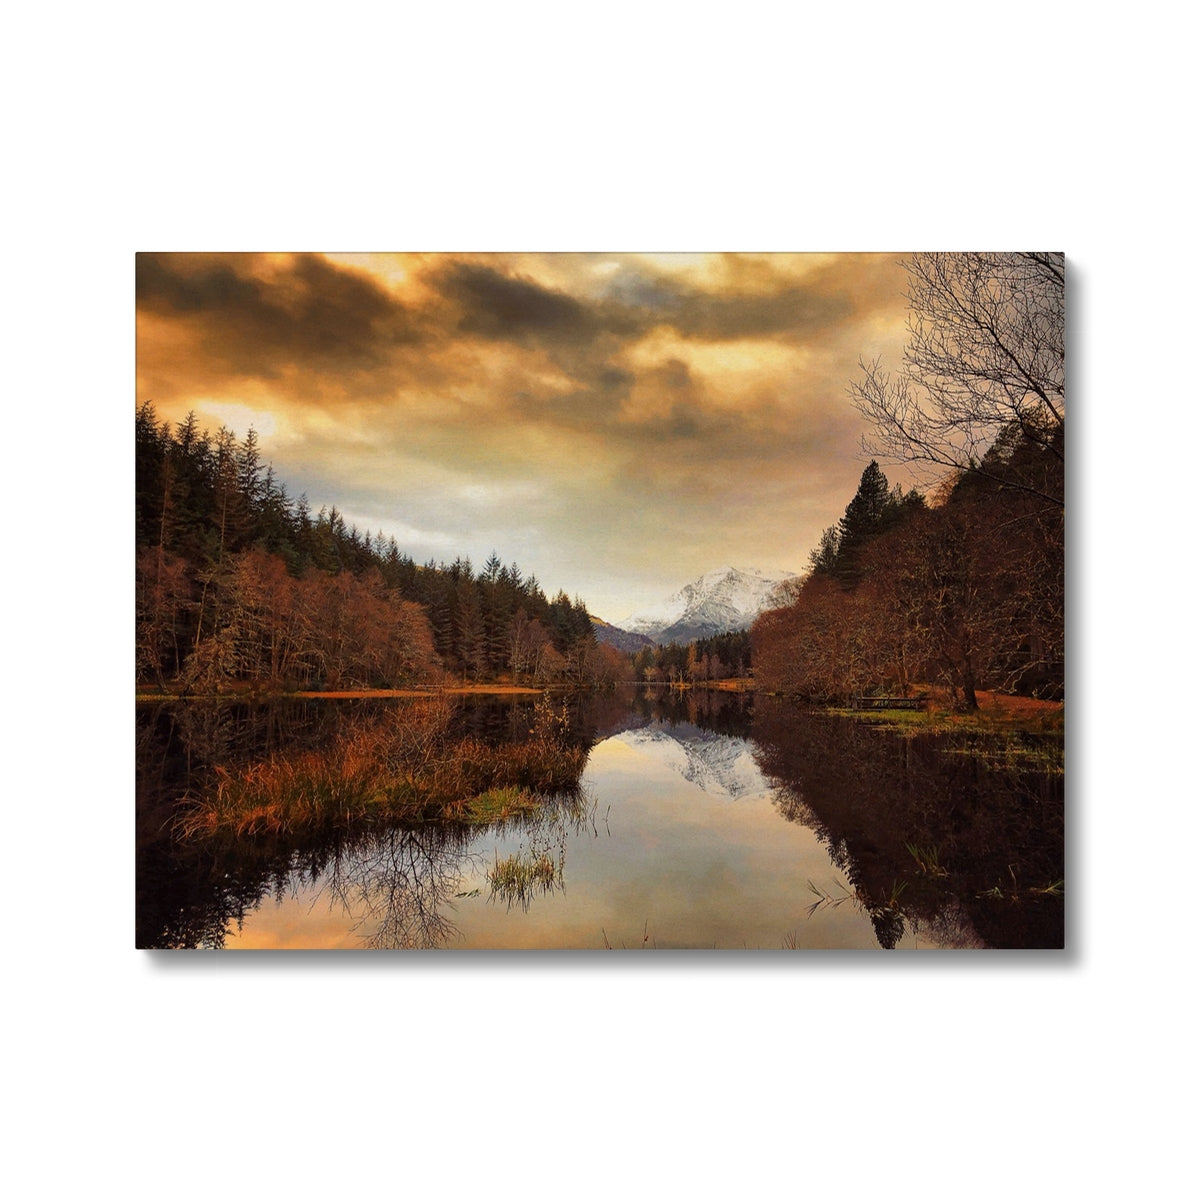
(602,601)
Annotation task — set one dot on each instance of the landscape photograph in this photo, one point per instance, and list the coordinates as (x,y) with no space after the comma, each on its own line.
(600,601)
(597,599)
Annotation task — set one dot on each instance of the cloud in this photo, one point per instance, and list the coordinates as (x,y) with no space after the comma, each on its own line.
(230,318)
(507,307)
(791,297)
(601,415)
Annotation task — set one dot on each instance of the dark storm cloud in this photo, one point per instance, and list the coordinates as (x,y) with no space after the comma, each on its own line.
(257,316)
(499,306)
(504,307)
(674,375)
(206,284)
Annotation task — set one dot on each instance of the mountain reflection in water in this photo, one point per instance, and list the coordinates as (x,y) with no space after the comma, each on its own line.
(702,820)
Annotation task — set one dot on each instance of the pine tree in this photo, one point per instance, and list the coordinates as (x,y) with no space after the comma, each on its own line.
(492,568)
(866,516)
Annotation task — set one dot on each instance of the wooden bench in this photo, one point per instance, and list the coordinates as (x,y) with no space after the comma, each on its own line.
(880,702)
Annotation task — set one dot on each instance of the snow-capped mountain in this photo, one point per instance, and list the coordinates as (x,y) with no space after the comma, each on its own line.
(720,601)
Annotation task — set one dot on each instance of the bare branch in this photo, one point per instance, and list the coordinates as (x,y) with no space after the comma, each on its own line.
(985,356)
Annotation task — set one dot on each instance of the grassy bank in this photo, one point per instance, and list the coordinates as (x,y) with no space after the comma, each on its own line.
(1005,731)
(405,767)
(251,693)
(996,714)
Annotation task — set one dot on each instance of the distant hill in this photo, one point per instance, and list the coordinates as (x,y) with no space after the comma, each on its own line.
(720,601)
(610,635)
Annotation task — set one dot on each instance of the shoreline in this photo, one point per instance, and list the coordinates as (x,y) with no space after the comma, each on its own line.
(347,693)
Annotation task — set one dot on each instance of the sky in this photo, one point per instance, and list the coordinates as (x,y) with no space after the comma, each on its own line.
(615,424)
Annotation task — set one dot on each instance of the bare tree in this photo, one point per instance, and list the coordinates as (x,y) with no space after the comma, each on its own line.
(985,358)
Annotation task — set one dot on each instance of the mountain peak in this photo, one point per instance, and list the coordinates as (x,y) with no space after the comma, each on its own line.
(720,601)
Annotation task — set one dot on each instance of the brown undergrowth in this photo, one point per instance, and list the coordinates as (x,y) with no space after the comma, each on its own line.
(404,767)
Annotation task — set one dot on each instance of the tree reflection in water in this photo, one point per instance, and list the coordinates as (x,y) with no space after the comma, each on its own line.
(397,886)
(937,837)
(958,844)
(396,883)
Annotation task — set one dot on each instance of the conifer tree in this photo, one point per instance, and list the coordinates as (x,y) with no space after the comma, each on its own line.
(867,515)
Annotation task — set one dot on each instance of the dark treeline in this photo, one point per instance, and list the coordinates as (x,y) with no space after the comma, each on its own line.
(722,656)
(966,590)
(239,582)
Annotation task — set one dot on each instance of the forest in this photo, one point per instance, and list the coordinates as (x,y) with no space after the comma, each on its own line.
(722,656)
(963,586)
(965,590)
(239,584)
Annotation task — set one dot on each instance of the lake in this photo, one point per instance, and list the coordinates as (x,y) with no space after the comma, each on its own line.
(700,820)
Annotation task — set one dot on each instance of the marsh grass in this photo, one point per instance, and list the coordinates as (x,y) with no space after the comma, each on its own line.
(495,804)
(1015,893)
(997,714)
(926,858)
(1001,737)
(519,877)
(404,767)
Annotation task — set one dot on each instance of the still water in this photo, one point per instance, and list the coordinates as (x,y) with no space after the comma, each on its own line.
(705,821)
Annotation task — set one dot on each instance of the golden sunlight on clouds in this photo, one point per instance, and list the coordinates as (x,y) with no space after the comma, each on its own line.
(238,418)
(617,423)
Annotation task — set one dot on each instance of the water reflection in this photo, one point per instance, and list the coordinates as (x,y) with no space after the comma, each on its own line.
(704,819)
(392,883)
(395,889)
(933,834)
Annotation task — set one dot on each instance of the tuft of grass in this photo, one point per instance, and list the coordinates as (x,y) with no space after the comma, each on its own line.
(1014,894)
(518,878)
(496,804)
(926,858)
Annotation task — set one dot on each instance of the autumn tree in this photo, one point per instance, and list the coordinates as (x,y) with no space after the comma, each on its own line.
(968,592)
(528,643)
(806,648)
(236,582)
